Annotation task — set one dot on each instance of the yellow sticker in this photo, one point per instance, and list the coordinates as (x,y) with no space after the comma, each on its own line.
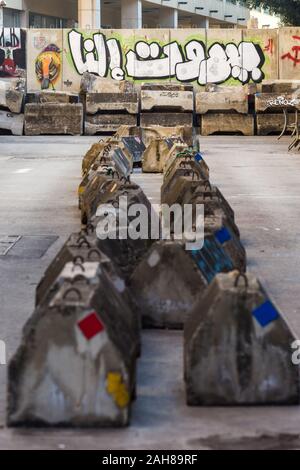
(117,389)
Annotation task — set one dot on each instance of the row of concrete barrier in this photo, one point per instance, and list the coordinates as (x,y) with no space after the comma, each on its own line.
(103,105)
(76,365)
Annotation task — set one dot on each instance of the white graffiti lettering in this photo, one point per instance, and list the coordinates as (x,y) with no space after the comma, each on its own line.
(282,101)
(149,61)
(96,55)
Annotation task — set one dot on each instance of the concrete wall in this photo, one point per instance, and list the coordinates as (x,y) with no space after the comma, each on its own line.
(198,56)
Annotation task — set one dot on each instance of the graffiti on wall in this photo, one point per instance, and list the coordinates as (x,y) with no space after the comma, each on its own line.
(12,52)
(294,54)
(48,66)
(191,62)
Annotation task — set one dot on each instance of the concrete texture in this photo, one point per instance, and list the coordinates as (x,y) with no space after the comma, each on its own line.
(39,177)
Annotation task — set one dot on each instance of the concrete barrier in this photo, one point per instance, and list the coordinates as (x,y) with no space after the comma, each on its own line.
(97,190)
(166,285)
(12,94)
(107,102)
(107,123)
(269,123)
(53,118)
(12,122)
(179,164)
(73,367)
(167,97)
(272,103)
(92,154)
(222,100)
(47,96)
(79,248)
(221,123)
(155,155)
(237,347)
(228,239)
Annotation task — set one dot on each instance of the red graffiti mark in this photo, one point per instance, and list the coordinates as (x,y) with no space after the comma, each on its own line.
(296,50)
(270,46)
(9,67)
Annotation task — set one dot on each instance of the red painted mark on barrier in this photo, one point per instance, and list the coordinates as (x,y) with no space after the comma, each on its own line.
(91,325)
(296,51)
(270,46)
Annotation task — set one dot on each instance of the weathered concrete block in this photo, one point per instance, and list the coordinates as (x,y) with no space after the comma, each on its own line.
(98,188)
(280,87)
(237,347)
(182,189)
(53,118)
(214,203)
(217,225)
(91,83)
(12,122)
(234,100)
(167,96)
(249,88)
(79,248)
(106,102)
(190,190)
(132,241)
(177,132)
(120,152)
(272,123)
(166,119)
(128,131)
(91,155)
(166,285)
(100,123)
(12,94)
(227,124)
(181,160)
(274,103)
(178,147)
(155,155)
(11,99)
(73,367)
(52,97)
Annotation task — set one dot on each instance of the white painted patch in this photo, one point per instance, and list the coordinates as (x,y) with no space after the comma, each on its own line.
(22,171)
(119,284)
(88,269)
(153,259)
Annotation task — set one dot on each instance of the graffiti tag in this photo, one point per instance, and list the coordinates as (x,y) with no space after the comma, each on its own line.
(295,55)
(269,46)
(150,61)
(282,101)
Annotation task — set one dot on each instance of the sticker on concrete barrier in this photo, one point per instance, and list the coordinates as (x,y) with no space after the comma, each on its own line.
(90,326)
(223,235)
(117,389)
(198,157)
(265,313)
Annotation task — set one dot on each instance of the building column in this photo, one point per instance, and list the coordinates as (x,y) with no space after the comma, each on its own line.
(1,18)
(202,22)
(89,14)
(168,18)
(131,14)
(25,19)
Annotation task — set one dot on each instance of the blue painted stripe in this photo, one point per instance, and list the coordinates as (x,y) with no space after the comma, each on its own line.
(265,313)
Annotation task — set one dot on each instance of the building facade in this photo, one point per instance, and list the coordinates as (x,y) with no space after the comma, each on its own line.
(128,14)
